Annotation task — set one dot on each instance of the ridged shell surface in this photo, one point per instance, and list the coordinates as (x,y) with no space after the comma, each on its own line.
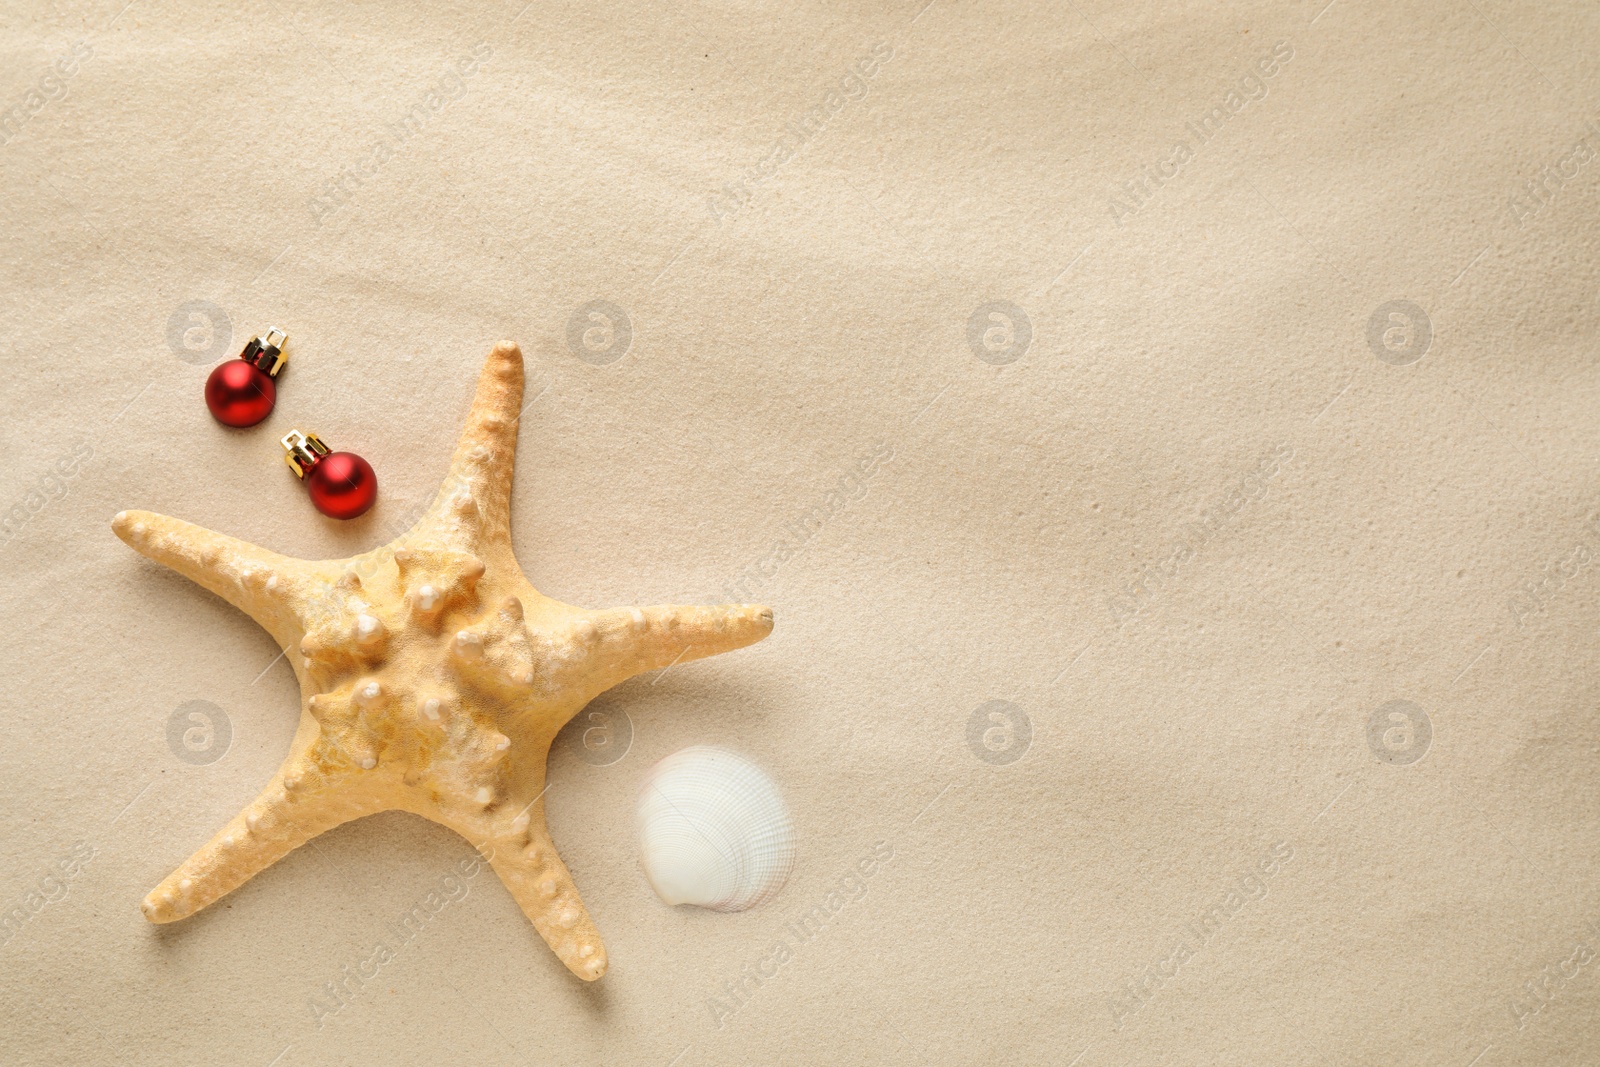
(713,831)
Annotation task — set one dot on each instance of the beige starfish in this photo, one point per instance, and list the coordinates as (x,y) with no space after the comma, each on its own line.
(433,679)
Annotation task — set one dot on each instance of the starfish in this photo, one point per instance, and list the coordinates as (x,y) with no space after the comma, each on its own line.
(433,679)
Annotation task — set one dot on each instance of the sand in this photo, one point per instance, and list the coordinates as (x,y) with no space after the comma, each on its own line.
(1165,434)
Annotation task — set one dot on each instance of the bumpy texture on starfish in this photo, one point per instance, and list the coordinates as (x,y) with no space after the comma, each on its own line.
(433,679)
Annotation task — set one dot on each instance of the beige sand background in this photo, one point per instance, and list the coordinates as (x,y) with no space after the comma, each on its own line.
(1204,526)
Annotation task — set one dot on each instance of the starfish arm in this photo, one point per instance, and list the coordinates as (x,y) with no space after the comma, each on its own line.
(274,825)
(624,642)
(260,583)
(544,890)
(473,508)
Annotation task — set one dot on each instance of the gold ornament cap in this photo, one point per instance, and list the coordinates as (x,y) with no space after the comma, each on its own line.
(266,352)
(304,450)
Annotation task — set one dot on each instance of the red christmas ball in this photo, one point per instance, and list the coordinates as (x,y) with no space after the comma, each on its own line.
(239,393)
(342,485)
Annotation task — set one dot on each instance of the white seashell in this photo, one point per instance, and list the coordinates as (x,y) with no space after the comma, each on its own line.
(713,831)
